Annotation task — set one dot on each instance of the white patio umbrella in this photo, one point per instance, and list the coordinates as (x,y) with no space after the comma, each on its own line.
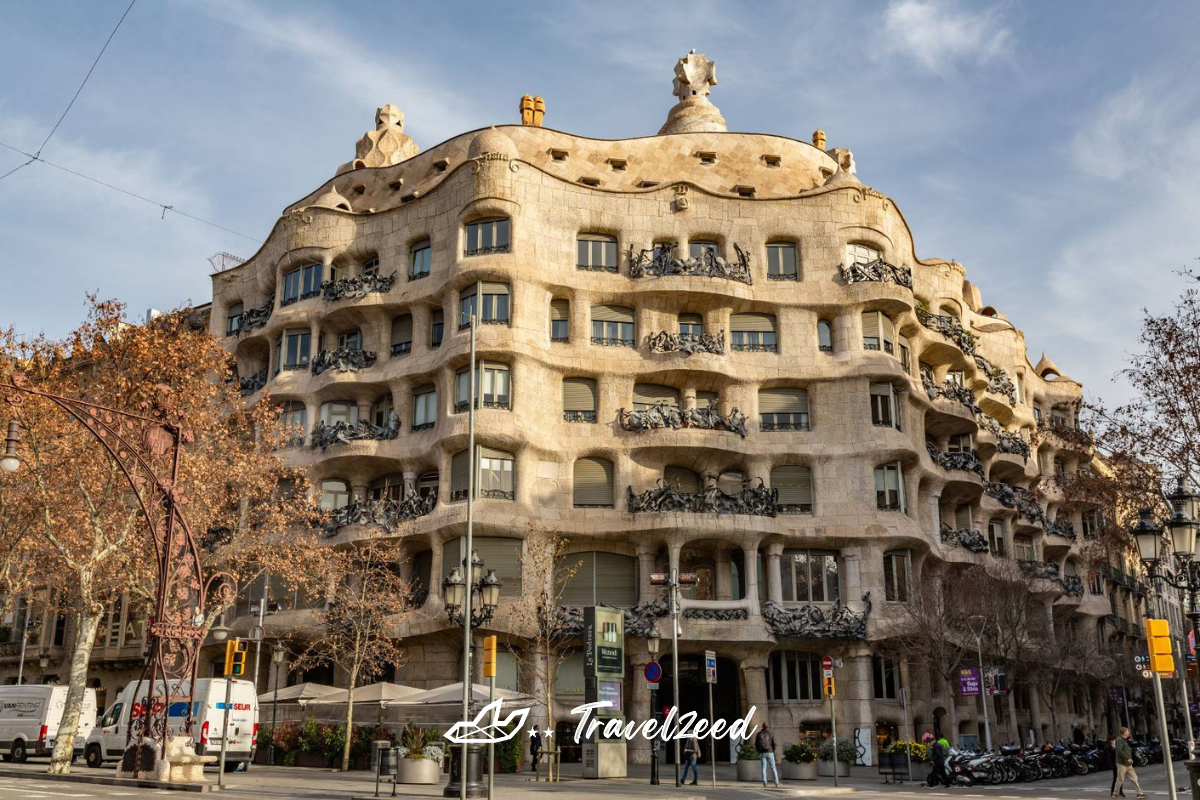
(300,693)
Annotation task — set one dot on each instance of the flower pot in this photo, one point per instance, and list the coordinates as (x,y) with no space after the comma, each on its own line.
(418,770)
(749,770)
(802,771)
(826,769)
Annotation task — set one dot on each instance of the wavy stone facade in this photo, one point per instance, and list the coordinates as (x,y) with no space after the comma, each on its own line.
(864,365)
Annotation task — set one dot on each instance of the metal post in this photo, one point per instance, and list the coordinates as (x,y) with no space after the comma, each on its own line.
(654,742)
(491,744)
(712,748)
(833,727)
(1181,658)
(1166,739)
(674,589)
(262,610)
(24,639)
(471,482)
(225,732)
(274,712)
(908,732)
(987,724)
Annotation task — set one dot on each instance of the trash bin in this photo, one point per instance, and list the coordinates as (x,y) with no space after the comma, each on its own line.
(377,750)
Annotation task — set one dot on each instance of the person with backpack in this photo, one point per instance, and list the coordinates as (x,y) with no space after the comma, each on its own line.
(764,744)
(939,756)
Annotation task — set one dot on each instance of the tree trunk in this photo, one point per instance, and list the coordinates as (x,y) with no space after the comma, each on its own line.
(349,720)
(64,744)
(1014,730)
(951,713)
(551,674)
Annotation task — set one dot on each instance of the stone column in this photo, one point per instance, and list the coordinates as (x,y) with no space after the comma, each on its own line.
(724,568)
(750,558)
(773,572)
(858,715)
(754,689)
(410,483)
(646,592)
(312,414)
(364,412)
(689,397)
(314,346)
(1035,712)
(935,509)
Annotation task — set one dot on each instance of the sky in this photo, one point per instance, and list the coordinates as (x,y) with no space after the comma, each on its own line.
(1052,148)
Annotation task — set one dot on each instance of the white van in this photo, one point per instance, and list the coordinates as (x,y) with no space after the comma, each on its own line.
(30,716)
(109,738)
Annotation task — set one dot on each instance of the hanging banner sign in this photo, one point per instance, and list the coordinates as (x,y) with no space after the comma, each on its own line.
(969,683)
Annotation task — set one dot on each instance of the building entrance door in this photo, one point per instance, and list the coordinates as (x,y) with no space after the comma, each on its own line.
(693,696)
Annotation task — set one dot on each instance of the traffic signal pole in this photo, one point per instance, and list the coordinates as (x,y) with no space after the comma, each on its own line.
(225,733)
(235,664)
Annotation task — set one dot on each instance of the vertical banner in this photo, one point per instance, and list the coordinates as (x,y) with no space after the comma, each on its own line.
(969,682)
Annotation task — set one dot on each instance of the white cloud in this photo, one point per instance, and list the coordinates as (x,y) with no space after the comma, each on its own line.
(937,37)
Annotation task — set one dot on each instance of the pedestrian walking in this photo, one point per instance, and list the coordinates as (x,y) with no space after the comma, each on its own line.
(1110,754)
(535,747)
(691,752)
(1125,765)
(764,744)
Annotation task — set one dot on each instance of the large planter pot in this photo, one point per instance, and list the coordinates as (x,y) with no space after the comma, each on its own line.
(418,770)
(826,769)
(792,771)
(749,770)
(310,760)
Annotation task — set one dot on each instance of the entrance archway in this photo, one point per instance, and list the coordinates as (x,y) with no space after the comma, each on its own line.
(693,696)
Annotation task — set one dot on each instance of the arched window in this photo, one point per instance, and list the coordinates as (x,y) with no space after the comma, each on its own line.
(402,334)
(596,252)
(487,236)
(824,336)
(795,487)
(593,483)
(861,254)
(335,494)
(753,332)
(579,400)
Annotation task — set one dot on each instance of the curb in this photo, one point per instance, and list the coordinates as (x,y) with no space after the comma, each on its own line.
(104,780)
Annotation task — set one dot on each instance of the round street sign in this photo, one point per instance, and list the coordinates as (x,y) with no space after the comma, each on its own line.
(827,662)
(652,671)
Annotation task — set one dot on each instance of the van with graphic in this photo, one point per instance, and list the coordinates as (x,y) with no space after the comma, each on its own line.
(110,737)
(30,716)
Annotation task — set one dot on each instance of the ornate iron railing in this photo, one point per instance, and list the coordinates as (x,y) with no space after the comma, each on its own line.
(324,435)
(343,359)
(758,501)
(1040,569)
(416,276)
(461,405)
(968,538)
(951,391)
(754,347)
(800,423)
(386,512)
(1066,433)
(951,328)
(253,383)
(1072,585)
(498,494)
(607,341)
(877,271)
(424,426)
(834,621)
(661,261)
(964,461)
(1026,504)
(687,343)
(483,251)
(613,268)
(255,317)
(664,415)
(1009,442)
(357,287)
(998,380)
(579,416)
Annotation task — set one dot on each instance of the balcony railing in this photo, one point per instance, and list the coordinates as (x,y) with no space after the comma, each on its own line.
(754,500)
(416,276)
(579,416)
(834,621)
(607,341)
(877,271)
(964,461)
(967,538)
(343,359)
(251,384)
(613,268)
(1046,570)
(951,328)
(1067,433)
(1009,442)
(661,261)
(798,422)
(665,415)
(1072,585)
(1026,503)
(502,403)
(387,512)
(483,251)
(424,426)
(401,348)
(255,318)
(754,347)
(357,287)
(687,343)
(324,435)
(998,380)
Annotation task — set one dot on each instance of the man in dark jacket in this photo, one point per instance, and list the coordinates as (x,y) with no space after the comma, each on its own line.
(1125,765)
(938,753)
(535,747)
(764,744)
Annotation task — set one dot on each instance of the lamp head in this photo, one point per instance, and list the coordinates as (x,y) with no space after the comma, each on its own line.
(653,641)
(10,461)
(489,589)
(278,653)
(453,589)
(1146,535)
(476,568)
(43,659)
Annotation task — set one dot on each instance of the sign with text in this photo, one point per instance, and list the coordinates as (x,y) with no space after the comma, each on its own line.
(604,642)
(968,682)
(710,666)
(610,692)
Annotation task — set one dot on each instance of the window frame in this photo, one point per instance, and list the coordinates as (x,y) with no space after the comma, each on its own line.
(897,582)
(597,244)
(883,503)
(776,266)
(420,260)
(425,408)
(483,236)
(830,581)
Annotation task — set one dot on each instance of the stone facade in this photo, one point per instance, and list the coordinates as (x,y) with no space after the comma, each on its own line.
(877,357)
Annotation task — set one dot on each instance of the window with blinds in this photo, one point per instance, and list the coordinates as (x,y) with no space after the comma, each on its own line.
(487,236)
(460,475)
(691,325)
(682,479)
(425,401)
(885,410)
(382,410)
(422,260)
(753,332)
(795,487)
(783,410)
(705,399)
(496,474)
(878,332)
(492,308)
(997,540)
(782,262)
(600,578)
(402,335)
(579,400)
(646,395)
(810,576)
(596,252)
(897,576)
(962,517)
(437,327)
(905,353)
(493,388)
(613,326)
(824,336)
(889,488)
(497,553)
(560,319)
(593,483)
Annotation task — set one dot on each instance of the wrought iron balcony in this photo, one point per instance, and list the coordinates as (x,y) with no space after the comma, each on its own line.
(483,251)
(612,341)
(1072,585)
(1009,442)
(613,268)
(387,513)
(401,348)
(965,461)
(416,276)
(783,276)
(424,426)
(661,261)
(1068,434)
(758,501)
(796,422)
(324,435)
(502,403)
(754,347)
(687,343)
(664,415)
(951,328)
(877,271)
(968,538)
(998,380)
(1026,504)
(497,494)
(1040,569)
(579,416)
(255,318)
(794,508)
(951,391)
(343,359)
(833,621)
(357,287)
(251,384)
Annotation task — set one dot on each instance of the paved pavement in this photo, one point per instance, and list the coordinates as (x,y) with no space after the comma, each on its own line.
(276,783)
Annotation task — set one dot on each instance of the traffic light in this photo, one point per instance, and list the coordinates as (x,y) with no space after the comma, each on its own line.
(830,689)
(489,656)
(1158,636)
(235,657)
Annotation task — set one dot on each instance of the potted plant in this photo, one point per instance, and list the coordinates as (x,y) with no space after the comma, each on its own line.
(845,757)
(897,755)
(748,768)
(420,756)
(800,763)
(309,745)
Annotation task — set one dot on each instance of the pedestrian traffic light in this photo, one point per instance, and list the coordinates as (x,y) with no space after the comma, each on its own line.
(489,656)
(235,657)
(1158,636)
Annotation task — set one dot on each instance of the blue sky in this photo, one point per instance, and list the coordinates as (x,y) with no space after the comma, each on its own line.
(1053,148)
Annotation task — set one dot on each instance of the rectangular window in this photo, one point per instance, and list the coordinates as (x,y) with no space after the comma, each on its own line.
(960,443)
(437,326)
(861,254)
(1037,414)
(889,488)
(782,262)
(702,249)
(302,283)
(295,348)
(956,377)
(494,310)
(1023,548)
(897,576)
(905,354)
(753,332)
(487,236)
(691,326)
(424,407)
(234,317)
(350,340)
(613,326)
(382,411)
(579,400)
(885,673)
(596,253)
(878,332)
(794,676)
(495,474)
(997,540)
(494,387)
(783,410)
(422,260)
(560,320)
(884,410)
(809,576)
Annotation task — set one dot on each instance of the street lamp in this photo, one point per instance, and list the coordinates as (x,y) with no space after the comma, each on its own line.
(277,656)
(43,660)
(653,642)
(10,460)
(221,631)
